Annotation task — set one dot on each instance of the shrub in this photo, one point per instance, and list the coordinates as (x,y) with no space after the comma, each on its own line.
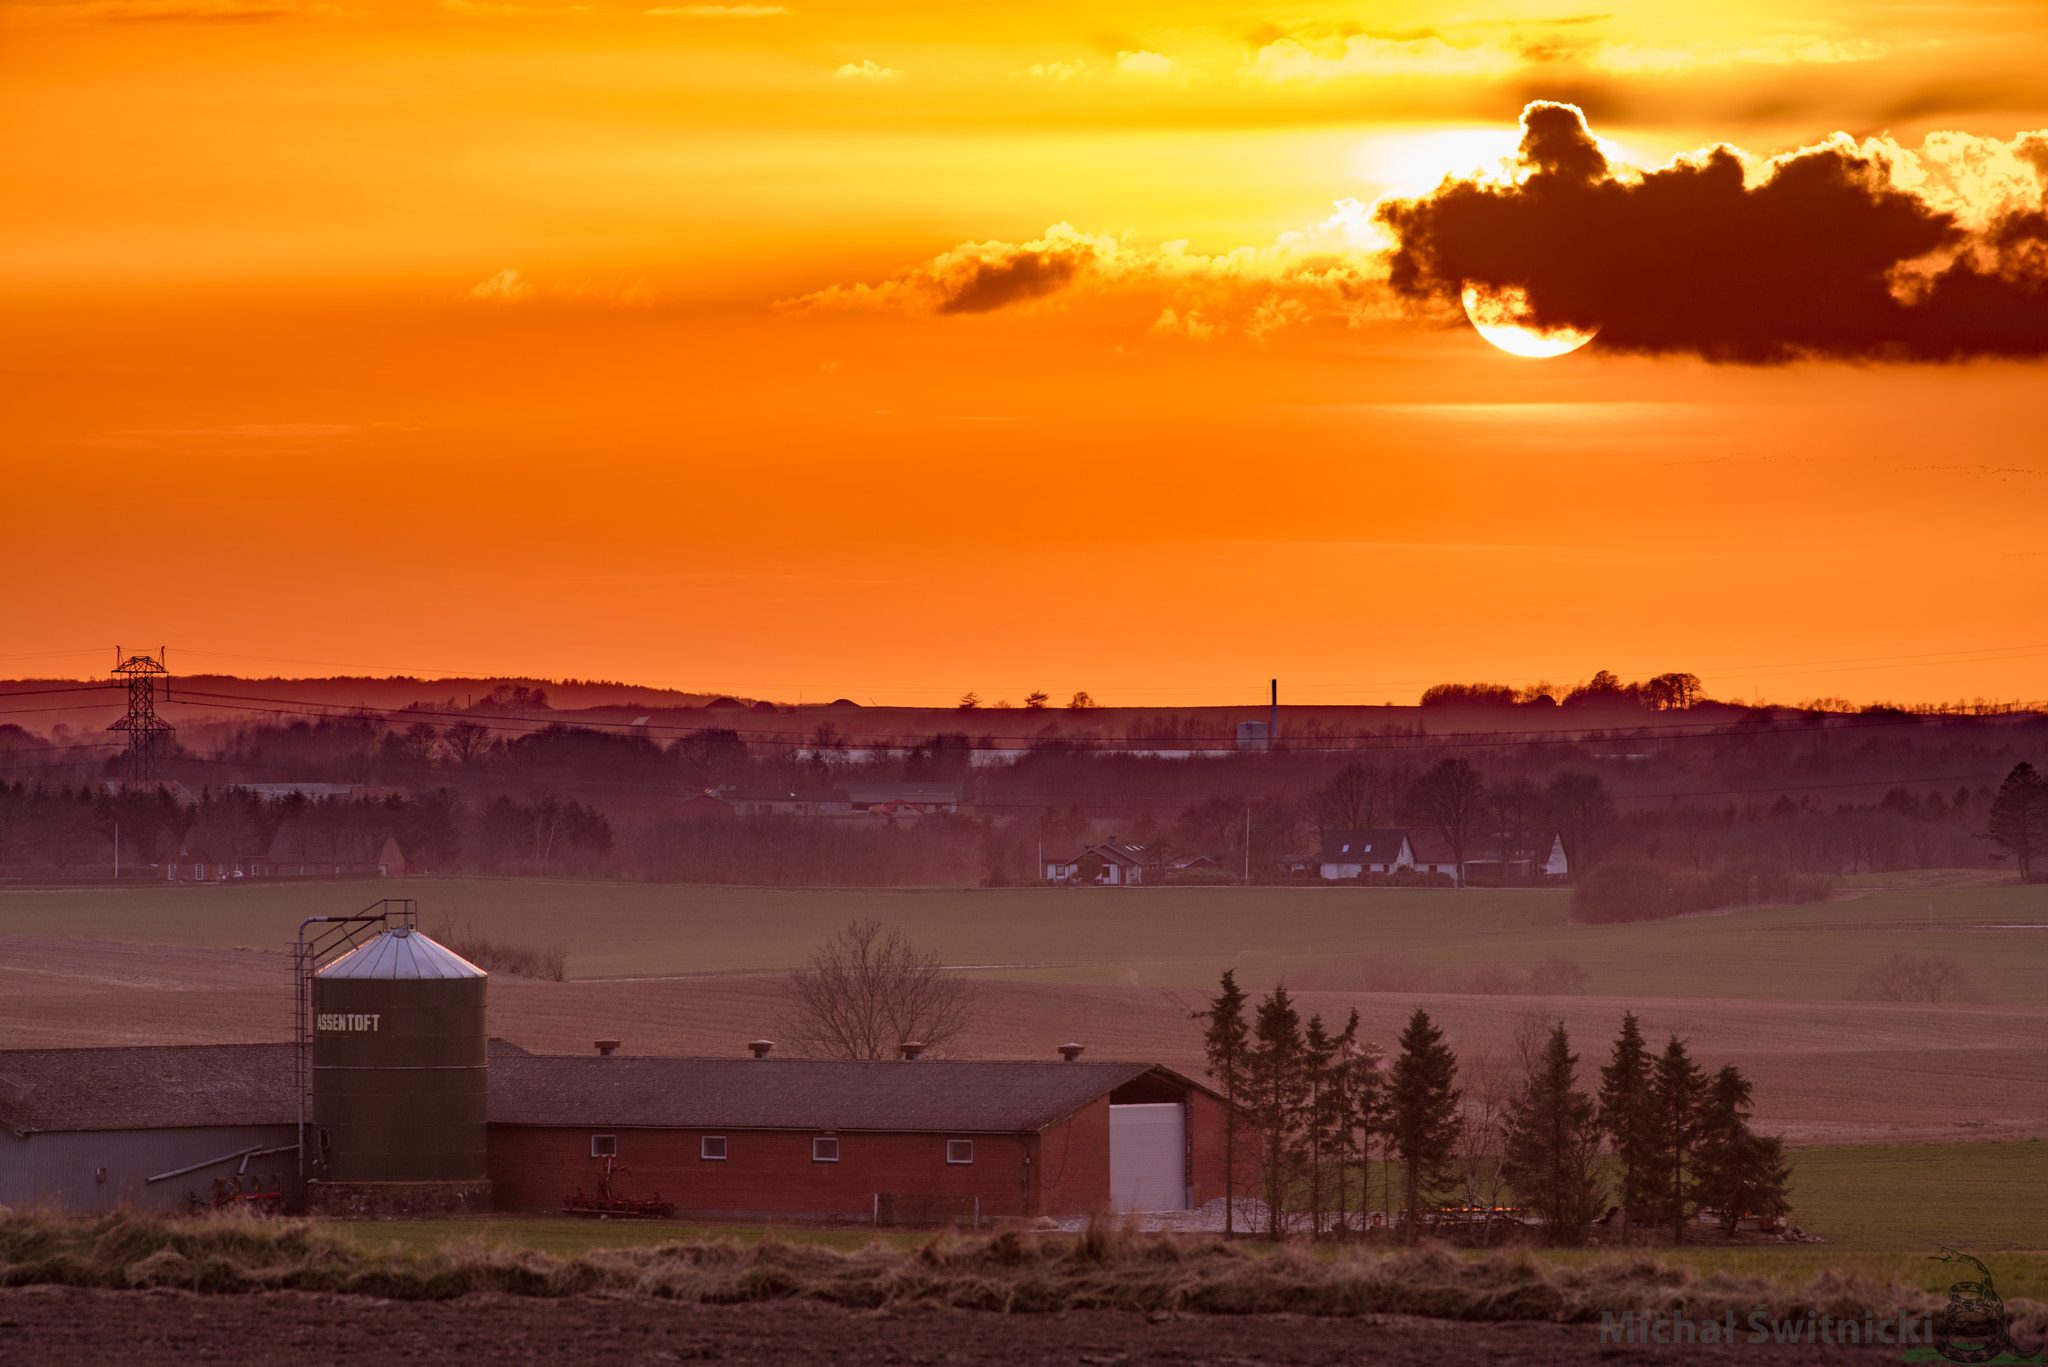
(1903,978)
(493,956)
(1639,890)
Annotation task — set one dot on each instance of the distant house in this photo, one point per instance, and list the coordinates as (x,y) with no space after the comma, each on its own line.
(304,850)
(786,802)
(1538,855)
(1347,854)
(196,864)
(707,805)
(315,792)
(1113,864)
(1433,855)
(904,799)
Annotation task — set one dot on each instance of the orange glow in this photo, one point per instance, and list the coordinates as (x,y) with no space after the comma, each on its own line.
(498,338)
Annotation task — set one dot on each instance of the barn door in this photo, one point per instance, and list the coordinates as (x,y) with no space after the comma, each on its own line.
(1147,1149)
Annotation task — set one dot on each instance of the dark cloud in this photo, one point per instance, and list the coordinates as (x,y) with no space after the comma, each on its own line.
(990,284)
(1837,250)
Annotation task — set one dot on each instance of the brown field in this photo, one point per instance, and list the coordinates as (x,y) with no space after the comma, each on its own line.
(71,1327)
(1825,1072)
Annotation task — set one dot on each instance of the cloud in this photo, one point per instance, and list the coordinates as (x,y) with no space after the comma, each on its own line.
(1288,60)
(1149,65)
(866,71)
(1333,268)
(508,286)
(1632,59)
(1058,72)
(1849,250)
(720,11)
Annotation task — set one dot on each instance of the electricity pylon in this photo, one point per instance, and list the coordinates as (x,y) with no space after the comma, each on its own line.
(146,730)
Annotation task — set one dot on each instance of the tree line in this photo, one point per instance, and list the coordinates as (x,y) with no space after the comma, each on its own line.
(1313,1107)
(1777,834)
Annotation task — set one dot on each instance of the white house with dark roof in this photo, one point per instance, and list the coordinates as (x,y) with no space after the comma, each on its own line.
(1116,865)
(1347,854)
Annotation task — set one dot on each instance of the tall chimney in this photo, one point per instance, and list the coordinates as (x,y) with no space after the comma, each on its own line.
(1072,1052)
(607,1047)
(761,1047)
(911,1050)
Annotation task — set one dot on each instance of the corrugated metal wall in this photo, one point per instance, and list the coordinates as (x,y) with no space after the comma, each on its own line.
(89,1171)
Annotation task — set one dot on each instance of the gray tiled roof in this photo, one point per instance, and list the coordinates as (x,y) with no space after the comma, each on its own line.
(179,1086)
(797,1094)
(151,1086)
(1378,846)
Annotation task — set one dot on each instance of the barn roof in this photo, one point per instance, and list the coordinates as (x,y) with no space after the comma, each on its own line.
(147,1087)
(1001,1097)
(182,1086)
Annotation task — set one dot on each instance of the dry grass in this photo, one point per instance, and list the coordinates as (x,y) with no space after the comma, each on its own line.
(1106,1267)
(549,964)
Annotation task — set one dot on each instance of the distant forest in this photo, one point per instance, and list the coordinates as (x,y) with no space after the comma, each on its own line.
(1687,802)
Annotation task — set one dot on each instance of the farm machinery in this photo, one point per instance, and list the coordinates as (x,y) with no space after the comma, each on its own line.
(608,1202)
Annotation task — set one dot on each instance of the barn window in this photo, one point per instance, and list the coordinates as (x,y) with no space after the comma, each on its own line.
(604,1146)
(712,1146)
(959,1150)
(824,1149)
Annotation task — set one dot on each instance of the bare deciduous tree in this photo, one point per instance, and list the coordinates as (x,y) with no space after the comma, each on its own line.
(869,989)
(1903,978)
(467,742)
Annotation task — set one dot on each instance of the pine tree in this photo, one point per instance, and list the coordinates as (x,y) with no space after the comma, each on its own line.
(1677,1095)
(1368,1119)
(1625,1113)
(1425,1121)
(1279,1088)
(1227,1039)
(2019,818)
(1319,1081)
(1553,1136)
(1340,1114)
(1737,1171)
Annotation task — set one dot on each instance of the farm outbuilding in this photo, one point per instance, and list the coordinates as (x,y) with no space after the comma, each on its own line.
(924,1141)
(148,1128)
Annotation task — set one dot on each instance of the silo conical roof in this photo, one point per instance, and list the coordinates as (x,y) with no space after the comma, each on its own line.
(401,953)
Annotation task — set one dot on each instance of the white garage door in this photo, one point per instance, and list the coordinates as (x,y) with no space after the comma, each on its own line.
(1147,1148)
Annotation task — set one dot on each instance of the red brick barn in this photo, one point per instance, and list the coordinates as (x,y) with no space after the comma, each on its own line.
(930,1141)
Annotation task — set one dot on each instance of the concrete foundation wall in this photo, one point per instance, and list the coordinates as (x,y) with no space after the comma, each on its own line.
(397,1200)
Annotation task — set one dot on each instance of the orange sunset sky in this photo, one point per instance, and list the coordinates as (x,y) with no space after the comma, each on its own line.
(892,350)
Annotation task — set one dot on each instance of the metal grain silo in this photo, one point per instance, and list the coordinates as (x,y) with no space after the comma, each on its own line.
(400,1080)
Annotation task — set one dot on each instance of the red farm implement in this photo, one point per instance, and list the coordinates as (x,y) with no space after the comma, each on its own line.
(251,1192)
(608,1202)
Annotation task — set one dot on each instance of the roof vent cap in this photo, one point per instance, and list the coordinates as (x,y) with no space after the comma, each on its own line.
(607,1047)
(1072,1052)
(761,1047)
(912,1050)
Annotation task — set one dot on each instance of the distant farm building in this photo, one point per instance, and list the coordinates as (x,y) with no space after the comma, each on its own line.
(912,1142)
(304,850)
(146,1128)
(1111,863)
(880,800)
(1391,850)
(903,1142)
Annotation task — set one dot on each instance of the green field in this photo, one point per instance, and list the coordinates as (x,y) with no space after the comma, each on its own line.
(1883,1211)
(1163,936)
